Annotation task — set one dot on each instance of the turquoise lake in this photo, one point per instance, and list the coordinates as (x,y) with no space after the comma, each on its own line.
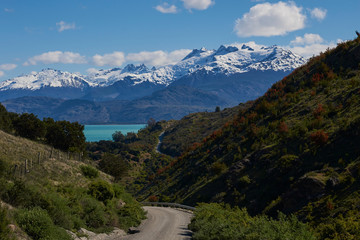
(94,133)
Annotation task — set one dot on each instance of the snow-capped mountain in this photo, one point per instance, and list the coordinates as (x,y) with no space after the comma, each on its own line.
(46,78)
(228,59)
(235,73)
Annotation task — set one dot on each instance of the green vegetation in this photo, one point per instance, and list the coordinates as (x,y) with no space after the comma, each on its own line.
(293,150)
(89,171)
(131,158)
(188,132)
(37,224)
(214,222)
(58,192)
(4,222)
(62,135)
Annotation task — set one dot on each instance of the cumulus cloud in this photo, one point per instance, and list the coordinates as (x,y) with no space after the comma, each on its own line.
(62,26)
(8,66)
(268,19)
(111,59)
(166,8)
(158,58)
(197,4)
(309,45)
(318,13)
(308,38)
(56,57)
(2,73)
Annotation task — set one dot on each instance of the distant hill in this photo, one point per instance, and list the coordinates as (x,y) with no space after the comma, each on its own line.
(295,149)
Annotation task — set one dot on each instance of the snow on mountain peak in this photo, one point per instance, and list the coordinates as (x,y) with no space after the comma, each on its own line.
(45,78)
(227,59)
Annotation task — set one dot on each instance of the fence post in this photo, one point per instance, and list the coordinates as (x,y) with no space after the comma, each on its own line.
(26,167)
(51,152)
(39,158)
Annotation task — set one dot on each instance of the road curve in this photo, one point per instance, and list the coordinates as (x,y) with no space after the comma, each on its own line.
(163,224)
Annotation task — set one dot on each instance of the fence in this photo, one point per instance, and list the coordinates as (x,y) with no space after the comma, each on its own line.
(21,169)
(165,204)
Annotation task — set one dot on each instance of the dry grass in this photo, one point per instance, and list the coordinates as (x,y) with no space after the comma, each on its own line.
(55,166)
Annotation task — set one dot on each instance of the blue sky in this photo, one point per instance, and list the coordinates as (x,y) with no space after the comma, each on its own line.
(81,35)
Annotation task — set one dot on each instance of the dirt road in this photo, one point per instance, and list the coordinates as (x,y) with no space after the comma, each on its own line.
(163,224)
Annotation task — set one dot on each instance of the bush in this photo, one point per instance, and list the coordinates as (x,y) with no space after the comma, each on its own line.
(319,137)
(89,171)
(38,225)
(101,190)
(3,167)
(130,215)
(215,221)
(4,222)
(93,213)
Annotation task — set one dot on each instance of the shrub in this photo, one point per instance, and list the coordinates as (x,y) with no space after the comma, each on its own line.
(37,223)
(319,137)
(93,213)
(101,190)
(130,215)
(215,221)
(3,167)
(153,198)
(217,168)
(4,222)
(89,171)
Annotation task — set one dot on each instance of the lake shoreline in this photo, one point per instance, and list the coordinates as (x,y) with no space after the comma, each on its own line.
(98,132)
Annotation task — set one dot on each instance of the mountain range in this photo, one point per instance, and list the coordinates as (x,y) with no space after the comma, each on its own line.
(199,82)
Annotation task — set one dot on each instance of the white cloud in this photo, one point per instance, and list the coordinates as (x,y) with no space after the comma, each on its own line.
(2,73)
(309,45)
(197,4)
(318,13)
(56,57)
(158,58)
(8,66)
(111,59)
(166,8)
(92,71)
(268,19)
(62,26)
(309,38)
(8,10)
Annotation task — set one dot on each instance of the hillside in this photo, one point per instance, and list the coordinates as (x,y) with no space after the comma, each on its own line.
(57,192)
(294,150)
(193,128)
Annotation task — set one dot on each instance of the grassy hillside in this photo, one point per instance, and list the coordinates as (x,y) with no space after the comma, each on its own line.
(193,128)
(58,192)
(295,150)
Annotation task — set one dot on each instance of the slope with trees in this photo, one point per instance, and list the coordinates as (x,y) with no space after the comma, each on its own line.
(294,150)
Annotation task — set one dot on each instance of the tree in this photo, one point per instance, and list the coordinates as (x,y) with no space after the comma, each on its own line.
(65,135)
(5,120)
(117,136)
(29,126)
(114,165)
(151,123)
(217,109)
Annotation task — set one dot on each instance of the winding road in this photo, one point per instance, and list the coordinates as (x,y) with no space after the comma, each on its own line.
(163,224)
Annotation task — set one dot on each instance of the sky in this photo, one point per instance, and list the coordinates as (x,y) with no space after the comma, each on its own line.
(83,35)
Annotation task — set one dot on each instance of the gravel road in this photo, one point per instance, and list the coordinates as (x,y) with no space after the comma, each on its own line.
(163,224)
